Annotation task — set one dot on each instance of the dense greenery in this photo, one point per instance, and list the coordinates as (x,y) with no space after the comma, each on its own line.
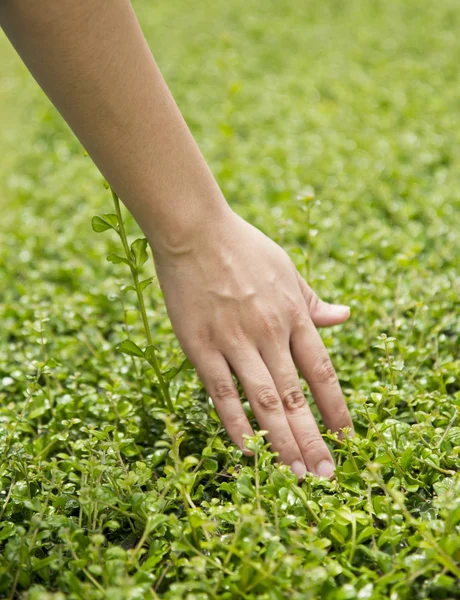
(102,493)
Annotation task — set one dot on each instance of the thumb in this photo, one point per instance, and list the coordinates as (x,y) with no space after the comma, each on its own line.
(323,314)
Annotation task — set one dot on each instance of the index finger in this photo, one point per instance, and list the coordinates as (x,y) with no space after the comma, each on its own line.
(313,361)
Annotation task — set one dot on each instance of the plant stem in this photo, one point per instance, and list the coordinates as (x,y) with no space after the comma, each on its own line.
(388,356)
(140,298)
(442,557)
(153,359)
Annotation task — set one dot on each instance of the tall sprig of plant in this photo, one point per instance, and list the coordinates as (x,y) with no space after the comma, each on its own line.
(135,256)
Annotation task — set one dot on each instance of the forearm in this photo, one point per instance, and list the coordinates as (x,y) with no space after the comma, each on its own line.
(92,60)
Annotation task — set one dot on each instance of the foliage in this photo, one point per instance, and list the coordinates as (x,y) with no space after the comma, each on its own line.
(104,493)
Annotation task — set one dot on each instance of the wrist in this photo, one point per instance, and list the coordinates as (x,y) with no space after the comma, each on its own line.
(187,227)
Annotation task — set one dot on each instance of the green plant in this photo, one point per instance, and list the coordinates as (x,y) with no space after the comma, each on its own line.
(107,495)
(135,256)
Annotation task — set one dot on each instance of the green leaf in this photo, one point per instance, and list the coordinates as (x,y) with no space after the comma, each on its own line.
(130,348)
(214,416)
(211,464)
(99,224)
(124,407)
(139,250)
(38,412)
(41,563)
(153,522)
(158,456)
(145,283)
(115,259)
(7,531)
(170,374)
(106,221)
(406,458)
(245,487)
(150,354)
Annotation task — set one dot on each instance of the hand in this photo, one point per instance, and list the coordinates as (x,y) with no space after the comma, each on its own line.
(237,303)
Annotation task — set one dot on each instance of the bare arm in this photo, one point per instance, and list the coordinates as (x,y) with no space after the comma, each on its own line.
(91,59)
(233,296)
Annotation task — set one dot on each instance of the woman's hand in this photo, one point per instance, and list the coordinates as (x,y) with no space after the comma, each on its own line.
(237,303)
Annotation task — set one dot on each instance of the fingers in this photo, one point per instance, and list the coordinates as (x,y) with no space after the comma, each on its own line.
(267,406)
(322,313)
(312,360)
(315,452)
(215,374)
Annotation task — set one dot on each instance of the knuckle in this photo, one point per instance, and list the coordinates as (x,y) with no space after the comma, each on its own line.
(301,323)
(267,399)
(309,443)
(293,398)
(224,390)
(323,370)
(285,445)
(296,310)
(236,422)
(270,324)
(237,337)
(203,336)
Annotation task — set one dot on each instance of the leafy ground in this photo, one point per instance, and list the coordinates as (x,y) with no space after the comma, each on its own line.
(102,495)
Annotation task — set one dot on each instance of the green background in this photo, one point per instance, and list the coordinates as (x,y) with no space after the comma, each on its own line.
(361,102)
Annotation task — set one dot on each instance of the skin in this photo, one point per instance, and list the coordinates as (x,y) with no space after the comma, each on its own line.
(234,297)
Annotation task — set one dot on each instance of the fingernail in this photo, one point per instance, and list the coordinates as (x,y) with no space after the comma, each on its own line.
(343,307)
(325,468)
(298,468)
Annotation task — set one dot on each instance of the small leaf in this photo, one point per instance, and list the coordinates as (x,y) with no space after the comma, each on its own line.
(145,283)
(7,531)
(106,221)
(214,416)
(99,224)
(158,456)
(115,259)
(210,464)
(41,563)
(245,486)
(150,353)
(130,348)
(38,412)
(153,522)
(128,288)
(139,250)
(111,218)
(124,407)
(171,373)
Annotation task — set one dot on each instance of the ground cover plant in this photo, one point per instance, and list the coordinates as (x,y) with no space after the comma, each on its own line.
(334,128)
